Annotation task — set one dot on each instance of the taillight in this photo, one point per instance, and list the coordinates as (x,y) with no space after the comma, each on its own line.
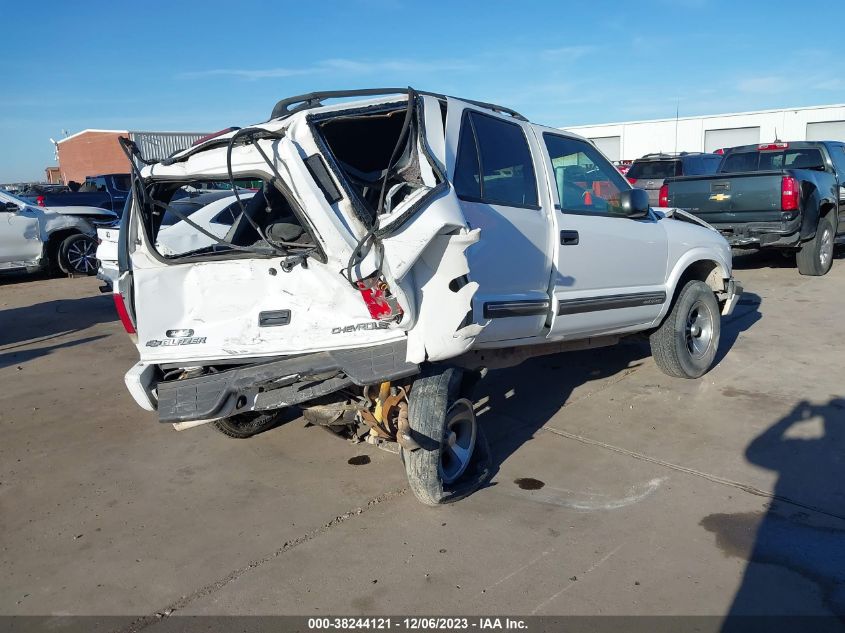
(663,196)
(765,146)
(633,181)
(789,193)
(719,151)
(123,313)
(376,295)
(39,200)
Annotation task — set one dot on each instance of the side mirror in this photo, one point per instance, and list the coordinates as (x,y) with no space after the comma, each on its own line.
(11,207)
(634,203)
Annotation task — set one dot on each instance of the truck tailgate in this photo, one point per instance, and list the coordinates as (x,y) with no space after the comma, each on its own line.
(726,198)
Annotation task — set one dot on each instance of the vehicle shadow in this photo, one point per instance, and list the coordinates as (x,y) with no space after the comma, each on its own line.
(45,321)
(802,531)
(745,315)
(20,356)
(513,404)
(10,279)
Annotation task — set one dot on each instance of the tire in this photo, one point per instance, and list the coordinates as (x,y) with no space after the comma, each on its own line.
(245,425)
(685,344)
(54,266)
(78,255)
(816,256)
(454,459)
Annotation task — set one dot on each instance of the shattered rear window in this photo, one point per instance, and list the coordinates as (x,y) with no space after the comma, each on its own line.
(361,145)
(202,218)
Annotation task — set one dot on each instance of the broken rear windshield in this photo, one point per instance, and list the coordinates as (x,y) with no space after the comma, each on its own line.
(655,169)
(205,218)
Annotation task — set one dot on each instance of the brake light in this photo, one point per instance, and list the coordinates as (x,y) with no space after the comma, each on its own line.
(663,196)
(39,200)
(766,146)
(721,150)
(633,181)
(789,193)
(123,313)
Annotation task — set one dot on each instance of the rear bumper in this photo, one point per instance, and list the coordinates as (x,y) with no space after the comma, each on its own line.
(761,234)
(273,384)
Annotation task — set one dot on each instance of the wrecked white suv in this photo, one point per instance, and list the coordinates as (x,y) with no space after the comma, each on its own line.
(394,247)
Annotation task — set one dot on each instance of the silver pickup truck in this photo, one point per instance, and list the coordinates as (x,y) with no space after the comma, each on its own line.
(396,247)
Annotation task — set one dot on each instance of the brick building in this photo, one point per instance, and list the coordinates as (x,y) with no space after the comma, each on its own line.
(53,176)
(93,152)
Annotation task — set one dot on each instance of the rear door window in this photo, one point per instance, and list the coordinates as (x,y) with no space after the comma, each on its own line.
(655,169)
(228,215)
(494,163)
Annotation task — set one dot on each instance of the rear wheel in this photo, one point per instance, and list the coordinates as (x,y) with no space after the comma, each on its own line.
(244,425)
(78,255)
(685,344)
(453,458)
(816,256)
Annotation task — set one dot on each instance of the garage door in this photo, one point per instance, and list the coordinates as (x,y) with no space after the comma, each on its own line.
(730,137)
(609,146)
(826,131)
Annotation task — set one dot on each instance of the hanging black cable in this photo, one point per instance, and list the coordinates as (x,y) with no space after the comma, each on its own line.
(355,257)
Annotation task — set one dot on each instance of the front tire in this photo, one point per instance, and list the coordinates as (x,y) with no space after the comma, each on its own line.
(453,460)
(78,255)
(685,344)
(816,256)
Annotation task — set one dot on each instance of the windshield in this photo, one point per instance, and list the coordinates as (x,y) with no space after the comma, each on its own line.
(655,169)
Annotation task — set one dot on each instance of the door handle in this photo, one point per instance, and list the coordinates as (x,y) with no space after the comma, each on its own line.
(569,238)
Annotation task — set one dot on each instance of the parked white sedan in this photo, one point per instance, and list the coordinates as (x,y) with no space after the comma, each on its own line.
(210,211)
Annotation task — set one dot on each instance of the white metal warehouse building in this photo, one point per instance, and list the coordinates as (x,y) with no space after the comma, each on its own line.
(630,140)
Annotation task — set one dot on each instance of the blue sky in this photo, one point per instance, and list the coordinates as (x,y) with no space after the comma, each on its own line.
(202,66)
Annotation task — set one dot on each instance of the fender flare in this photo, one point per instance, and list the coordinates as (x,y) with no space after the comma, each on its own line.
(721,271)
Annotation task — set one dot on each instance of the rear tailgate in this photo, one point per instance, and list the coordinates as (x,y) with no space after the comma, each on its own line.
(729,198)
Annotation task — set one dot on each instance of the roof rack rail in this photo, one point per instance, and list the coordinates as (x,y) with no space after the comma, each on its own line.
(672,154)
(283,108)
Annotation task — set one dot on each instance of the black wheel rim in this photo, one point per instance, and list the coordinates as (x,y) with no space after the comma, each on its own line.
(81,256)
(699,329)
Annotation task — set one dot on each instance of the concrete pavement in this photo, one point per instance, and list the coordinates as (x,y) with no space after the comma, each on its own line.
(617,490)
